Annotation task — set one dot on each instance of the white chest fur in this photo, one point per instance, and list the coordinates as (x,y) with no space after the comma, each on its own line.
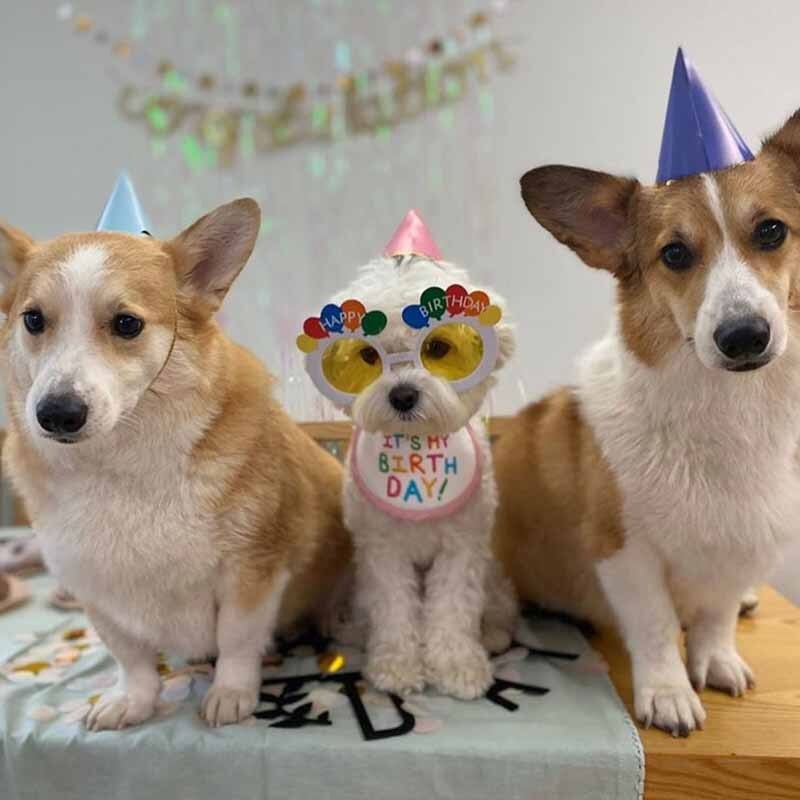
(125,530)
(706,461)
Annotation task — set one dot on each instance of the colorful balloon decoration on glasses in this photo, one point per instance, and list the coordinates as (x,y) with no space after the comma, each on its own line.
(434,302)
(350,315)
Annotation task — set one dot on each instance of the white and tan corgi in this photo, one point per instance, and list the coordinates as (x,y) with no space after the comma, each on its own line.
(169,490)
(667,481)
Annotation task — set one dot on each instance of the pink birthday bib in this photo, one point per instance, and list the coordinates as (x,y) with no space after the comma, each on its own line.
(416,476)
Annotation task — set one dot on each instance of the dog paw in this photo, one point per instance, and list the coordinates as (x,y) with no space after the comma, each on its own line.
(721,669)
(119,711)
(459,667)
(395,672)
(496,639)
(674,709)
(225,705)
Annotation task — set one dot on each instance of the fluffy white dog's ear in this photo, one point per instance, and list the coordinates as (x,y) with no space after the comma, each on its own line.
(506,341)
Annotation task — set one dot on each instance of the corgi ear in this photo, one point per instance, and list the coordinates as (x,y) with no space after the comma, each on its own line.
(506,342)
(14,249)
(211,253)
(588,211)
(787,138)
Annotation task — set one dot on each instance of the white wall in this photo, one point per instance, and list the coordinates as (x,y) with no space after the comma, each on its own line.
(589,88)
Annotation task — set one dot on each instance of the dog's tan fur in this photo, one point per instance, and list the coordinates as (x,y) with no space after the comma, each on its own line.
(272,494)
(559,508)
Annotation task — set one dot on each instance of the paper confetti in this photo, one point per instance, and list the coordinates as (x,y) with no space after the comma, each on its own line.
(43,713)
(427,725)
(331,662)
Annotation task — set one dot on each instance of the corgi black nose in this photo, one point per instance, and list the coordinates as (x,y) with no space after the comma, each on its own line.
(743,337)
(403,397)
(62,413)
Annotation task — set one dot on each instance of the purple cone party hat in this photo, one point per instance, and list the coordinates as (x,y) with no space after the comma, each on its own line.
(412,237)
(123,211)
(698,135)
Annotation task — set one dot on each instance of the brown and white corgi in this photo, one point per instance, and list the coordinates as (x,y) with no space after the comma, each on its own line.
(169,490)
(667,481)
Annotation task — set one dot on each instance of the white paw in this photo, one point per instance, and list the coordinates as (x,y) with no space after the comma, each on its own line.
(722,669)
(225,705)
(496,639)
(395,671)
(674,709)
(459,667)
(117,711)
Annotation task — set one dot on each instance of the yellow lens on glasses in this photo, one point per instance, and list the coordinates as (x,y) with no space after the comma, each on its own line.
(452,351)
(350,365)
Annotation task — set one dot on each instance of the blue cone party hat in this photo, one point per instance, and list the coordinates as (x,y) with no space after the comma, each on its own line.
(698,135)
(123,211)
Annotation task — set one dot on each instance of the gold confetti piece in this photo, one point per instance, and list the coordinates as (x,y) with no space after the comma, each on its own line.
(331,662)
(164,669)
(83,23)
(34,667)
(345,82)
(94,698)
(74,633)
(123,48)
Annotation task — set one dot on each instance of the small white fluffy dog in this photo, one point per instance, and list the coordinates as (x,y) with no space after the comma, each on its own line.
(422,580)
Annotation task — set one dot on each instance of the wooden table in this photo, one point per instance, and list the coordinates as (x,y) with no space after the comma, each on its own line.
(750,747)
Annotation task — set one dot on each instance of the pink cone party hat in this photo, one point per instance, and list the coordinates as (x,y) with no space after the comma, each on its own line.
(412,237)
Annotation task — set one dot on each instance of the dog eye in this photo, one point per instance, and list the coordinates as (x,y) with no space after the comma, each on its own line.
(770,234)
(677,256)
(369,355)
(34,321)
(127,326)
(437,348)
